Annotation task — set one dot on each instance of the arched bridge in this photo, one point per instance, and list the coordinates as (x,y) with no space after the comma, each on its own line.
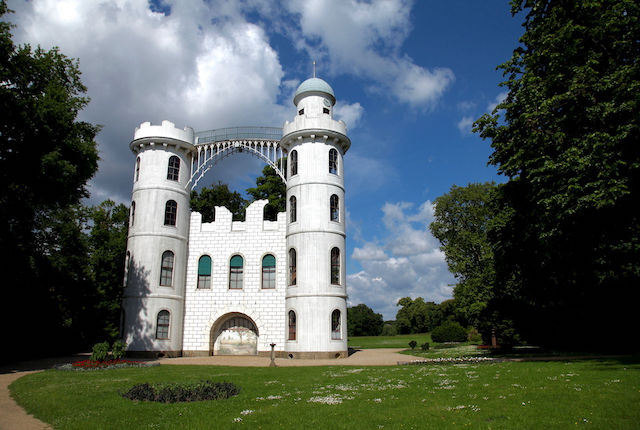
(215,145)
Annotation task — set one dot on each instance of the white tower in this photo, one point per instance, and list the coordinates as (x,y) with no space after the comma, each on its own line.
(153,300)
(316,308)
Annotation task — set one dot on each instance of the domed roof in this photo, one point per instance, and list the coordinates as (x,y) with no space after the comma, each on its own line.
(314,85)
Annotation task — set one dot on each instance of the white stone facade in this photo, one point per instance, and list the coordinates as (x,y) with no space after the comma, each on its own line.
(227,287)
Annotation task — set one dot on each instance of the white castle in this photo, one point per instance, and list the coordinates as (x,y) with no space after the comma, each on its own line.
(229,287)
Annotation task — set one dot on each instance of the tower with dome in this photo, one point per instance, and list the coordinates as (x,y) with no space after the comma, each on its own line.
(229,287)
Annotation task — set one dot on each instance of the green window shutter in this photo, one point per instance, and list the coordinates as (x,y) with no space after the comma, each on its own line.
(236,261)
(204,265)
(269,261)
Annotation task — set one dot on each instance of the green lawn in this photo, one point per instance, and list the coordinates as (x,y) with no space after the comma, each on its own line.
(399,341)
(592,393)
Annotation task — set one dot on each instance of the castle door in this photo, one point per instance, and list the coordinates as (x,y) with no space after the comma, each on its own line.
(236,336)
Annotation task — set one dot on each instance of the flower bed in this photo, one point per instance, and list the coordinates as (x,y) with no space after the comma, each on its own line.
(107,364)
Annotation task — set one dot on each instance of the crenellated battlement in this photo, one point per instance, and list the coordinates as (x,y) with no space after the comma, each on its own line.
(167,129)
(254,220)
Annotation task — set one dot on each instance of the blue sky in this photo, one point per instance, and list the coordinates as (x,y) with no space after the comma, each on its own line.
(409,77)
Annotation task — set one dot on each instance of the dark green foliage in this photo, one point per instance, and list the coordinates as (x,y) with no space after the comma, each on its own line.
(566,237)
(449,331)
(175,392)
(425,346)
(389,329)
(118,350)
(412,344)
(271,187)
(218,195)
(100,351)
(461,220)
(363,321)
(418,316)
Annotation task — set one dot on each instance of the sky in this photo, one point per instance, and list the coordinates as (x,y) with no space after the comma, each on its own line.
(410,77)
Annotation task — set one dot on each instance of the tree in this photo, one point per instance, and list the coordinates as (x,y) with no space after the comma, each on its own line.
(418,316)
(271,187)
(461,222)
(566,235)
(107,246)
(46,158)
(218,195)
(363,321)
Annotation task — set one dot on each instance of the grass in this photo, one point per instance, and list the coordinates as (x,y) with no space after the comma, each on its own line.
(398,341)
(594,393)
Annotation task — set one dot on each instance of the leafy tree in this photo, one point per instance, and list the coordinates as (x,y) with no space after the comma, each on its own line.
(363,321)
(108,244)
(418,316)
(271,187)
(46,158)
(566,235)
(462,217)
(218,195)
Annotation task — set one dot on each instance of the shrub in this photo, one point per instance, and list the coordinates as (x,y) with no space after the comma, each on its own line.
(425,346)
(100,351)
(118,349)
(474,336)
(173,393)
(449,331)
(413,344)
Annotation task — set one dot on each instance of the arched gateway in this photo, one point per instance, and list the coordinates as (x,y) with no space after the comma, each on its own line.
(182,273)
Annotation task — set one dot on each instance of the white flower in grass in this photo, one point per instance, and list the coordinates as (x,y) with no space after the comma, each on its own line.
(237,420)
(327,400)
(377,400)
(247,412)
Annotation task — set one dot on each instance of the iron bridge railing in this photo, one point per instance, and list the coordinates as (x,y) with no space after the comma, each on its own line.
(238,133)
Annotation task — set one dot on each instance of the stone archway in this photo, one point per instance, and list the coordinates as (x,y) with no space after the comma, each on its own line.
(234,334)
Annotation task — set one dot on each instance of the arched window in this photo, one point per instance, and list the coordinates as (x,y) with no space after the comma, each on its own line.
(268,271)
(294,162)
(292,209)
(170,212)
(333,161)
(335,266)
(173,172)
(292,266)
(334,203)
(133,213)
(137,168)
(204,272)
(335,325)
(127,266)
(292,326)
(166,269)
(235,272)
(162,325)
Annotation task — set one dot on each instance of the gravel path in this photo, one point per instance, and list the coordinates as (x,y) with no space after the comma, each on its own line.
(13,417)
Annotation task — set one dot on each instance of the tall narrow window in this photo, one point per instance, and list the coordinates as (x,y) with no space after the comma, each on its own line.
(162,325)
(294,162)
(268,271)
(235,272)
(335,266)
(292,209)
(333,161)
(166,269)
(292,266)
(133,214)
(127,266)
(204,272)
(170,212)
(292,326)
(335,325)
(334,203)
(173,172)
(137,168)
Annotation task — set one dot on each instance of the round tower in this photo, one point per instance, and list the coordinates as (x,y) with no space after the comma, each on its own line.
(154,284)
(316,308)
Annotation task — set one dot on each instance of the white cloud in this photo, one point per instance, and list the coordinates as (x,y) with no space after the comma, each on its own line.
(349,113)
(499,99)
(204,65)
(367,173)
(465,124)
(364,38)
(408,262)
